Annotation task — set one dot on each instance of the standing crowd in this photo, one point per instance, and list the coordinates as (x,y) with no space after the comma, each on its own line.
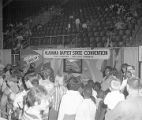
(30,95)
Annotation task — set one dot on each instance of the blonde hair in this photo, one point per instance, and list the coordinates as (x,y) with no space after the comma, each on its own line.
(36,94)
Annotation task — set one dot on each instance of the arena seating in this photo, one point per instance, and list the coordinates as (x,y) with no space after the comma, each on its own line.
(101,23)
(97,33)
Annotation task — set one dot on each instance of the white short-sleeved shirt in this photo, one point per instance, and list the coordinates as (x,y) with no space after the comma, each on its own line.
(70,103)
(86,111)
(113,98)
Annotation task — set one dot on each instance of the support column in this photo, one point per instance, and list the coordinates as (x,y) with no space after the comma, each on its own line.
(1,26)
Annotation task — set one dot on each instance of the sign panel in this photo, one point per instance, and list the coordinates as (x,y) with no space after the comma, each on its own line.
(5,56)
(31,56)
(140,53)
(77,54)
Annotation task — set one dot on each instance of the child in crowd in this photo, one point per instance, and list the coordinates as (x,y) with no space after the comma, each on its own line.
(87,110)
(115,96)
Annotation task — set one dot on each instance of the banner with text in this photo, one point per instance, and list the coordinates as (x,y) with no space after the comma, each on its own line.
(77,54)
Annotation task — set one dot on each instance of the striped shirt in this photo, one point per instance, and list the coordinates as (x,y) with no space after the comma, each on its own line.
(59,91)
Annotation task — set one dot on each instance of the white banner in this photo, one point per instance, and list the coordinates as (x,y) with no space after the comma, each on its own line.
(77,54)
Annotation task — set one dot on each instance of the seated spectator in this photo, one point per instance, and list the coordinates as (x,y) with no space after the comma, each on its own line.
(87,109)
(77,23)
(115,96)
(129,109)
(84,26)
(120,25)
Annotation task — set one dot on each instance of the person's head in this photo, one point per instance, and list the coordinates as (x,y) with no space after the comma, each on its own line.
(91,83)
(8,67)
(48,73)
(59,80)
(31,80)
(37,96)
(97,86)
(115,85)
(73,84)
(87,92)
(130,71)
(101,94)
(134,85)
(124,67)
(108,70)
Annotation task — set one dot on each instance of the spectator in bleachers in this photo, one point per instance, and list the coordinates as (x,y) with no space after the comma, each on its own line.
(84,26)
(128,109)
(120,25)
(77,23)
(69,27)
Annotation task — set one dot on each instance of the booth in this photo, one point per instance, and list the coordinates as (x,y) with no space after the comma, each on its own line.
(85,62)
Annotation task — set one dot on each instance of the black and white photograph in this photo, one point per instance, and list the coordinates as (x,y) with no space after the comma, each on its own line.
(70,59)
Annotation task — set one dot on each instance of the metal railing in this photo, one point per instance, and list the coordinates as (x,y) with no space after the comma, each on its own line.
(54,40)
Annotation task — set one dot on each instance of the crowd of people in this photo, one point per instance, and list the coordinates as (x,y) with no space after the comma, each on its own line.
(120,29)
(17,34)
(27,94)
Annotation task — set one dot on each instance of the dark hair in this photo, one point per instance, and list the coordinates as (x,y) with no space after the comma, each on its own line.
(91,83)
(87,90)
(97,84)
(109,68)
(73,84)
(124,65)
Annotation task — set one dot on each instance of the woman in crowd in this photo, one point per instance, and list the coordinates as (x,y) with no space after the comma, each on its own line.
(106,81)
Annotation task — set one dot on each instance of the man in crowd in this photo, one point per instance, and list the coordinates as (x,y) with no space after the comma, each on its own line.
(115,96)
(70,101)
(87,109)
(129,109)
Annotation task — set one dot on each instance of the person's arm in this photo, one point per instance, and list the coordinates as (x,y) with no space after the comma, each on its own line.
(107,100)
(123,85)
(62,109)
